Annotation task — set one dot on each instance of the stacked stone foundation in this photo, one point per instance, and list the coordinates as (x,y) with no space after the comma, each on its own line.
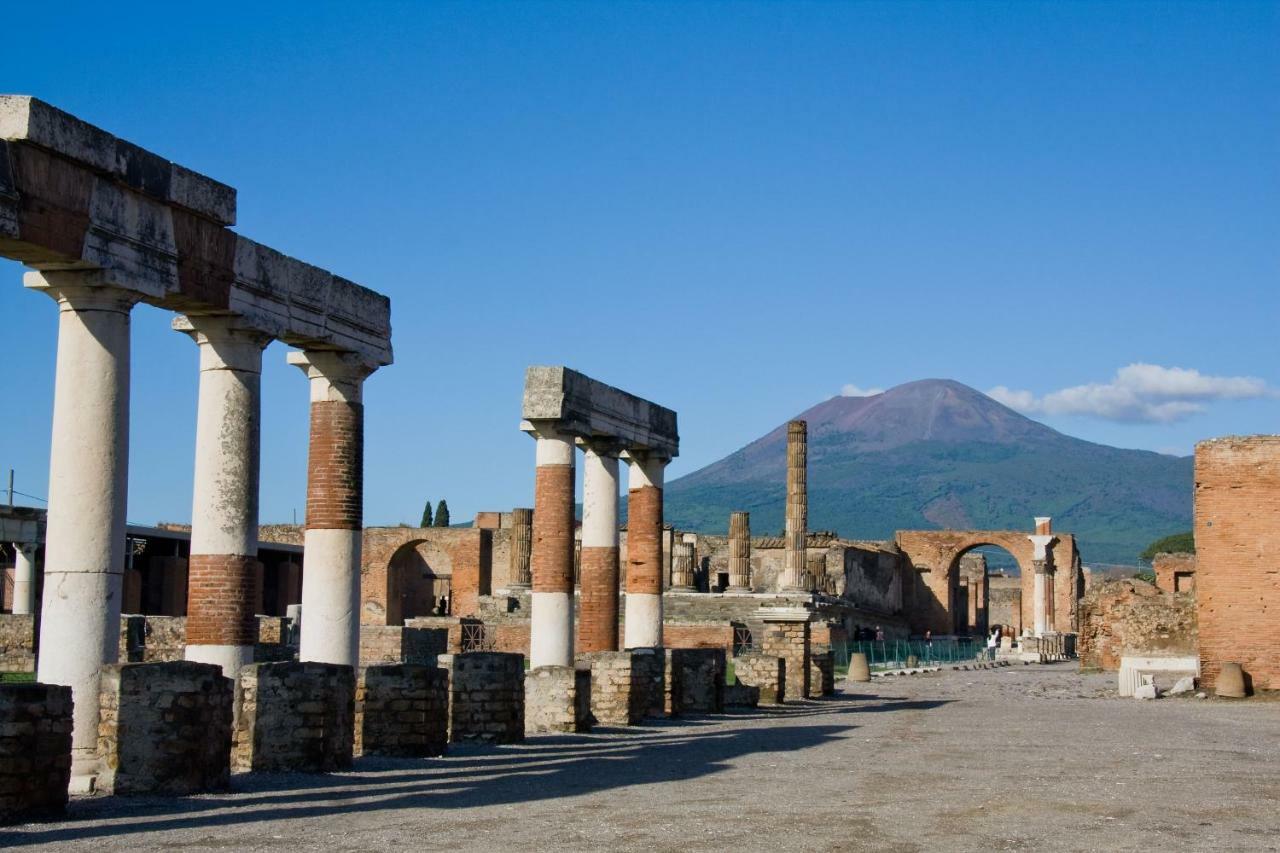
(822,674)
(695,681)
(765,673)
(35,751)
(557,699)
(402,711)
(648,682)
(611,688)
(294,717)
(486,696)
(164,728)
(790,641)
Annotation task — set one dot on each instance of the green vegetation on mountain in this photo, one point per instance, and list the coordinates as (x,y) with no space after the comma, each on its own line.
(1178,543)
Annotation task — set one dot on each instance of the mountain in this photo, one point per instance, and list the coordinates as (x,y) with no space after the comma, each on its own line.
(938,454)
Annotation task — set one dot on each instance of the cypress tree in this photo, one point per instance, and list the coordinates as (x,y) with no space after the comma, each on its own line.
(442,513)
(426,515)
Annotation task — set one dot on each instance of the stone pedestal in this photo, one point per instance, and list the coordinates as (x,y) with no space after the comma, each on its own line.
(695,681)
(617,699)
(294,717)
(766,673)
(165,728)
(402,711)
(35,751)
(557,699)
(740,552)
(786,635)
(822,679)
(486,696)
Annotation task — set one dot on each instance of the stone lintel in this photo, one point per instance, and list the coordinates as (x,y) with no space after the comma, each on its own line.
(590,409)
(784,614)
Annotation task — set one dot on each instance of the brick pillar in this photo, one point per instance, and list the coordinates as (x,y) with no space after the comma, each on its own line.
(551,552)
(740,552)
(223,572)
(794,575)
(521,545)
(644,550)
(598,612)
(88,484)
(682,566)
(335,507)
(787,636)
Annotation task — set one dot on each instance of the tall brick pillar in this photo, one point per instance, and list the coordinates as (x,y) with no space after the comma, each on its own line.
(740,552)
(88,488)
(223,572)
(335,507)
(643,623)
(521,545)
(795,578)
(551,557)
(598,582)
(1042,592)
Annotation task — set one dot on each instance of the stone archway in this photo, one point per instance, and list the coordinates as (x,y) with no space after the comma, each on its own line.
(419,575)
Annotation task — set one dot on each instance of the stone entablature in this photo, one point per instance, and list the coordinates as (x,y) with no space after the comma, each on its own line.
(584,407)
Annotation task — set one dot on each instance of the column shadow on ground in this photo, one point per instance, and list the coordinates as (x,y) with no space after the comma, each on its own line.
(473,775)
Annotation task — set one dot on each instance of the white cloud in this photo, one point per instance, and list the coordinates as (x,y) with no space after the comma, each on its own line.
(855,391)
(1138,393)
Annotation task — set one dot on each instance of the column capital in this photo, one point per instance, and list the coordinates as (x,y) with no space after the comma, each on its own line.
(27,548)
(1041,543)
(600,446)
(335,376)
(82,290)
(225,341)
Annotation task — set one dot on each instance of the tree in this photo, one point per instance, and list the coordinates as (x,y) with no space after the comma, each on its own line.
(426,515)
(1178,543)
(442,513)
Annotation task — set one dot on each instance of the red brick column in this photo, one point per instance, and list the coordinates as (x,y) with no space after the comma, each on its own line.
(598,577)
(335,507)
(644,550)
(551,552)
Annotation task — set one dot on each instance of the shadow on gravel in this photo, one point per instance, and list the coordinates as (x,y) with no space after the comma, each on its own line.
(545,767)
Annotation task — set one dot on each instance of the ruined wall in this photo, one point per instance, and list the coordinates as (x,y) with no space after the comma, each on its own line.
(294,717)
(405,570)
(35,750)
(17,643)
(486,696)
(402,711)
(1175,572)
(1004,602)
(1133,617)
(1237,533)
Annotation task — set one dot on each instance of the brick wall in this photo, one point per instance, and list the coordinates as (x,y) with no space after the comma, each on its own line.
(294,717)
(1237,532)
(402,711)
(1175,572)
(147,639)
(790,641)
(1133,617)
(35,750)
(394,644)
(165,728)
(683,635)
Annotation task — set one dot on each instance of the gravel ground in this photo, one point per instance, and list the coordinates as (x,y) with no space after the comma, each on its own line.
(1023,758)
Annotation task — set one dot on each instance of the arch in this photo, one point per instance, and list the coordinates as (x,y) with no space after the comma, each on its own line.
(970,593)
(419,574)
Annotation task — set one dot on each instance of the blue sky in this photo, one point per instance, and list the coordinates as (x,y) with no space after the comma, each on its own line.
(734,209)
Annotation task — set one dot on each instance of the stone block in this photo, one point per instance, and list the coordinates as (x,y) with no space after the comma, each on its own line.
(790,640)
(695,679)
(611,687)
(486,696)
(35,751)
(553,700)
(822,679)
(766,673)
(402,710)
(294,717)
(164,728)
(741,696)
(648,682)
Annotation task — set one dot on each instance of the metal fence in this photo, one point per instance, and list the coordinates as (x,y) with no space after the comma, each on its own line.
(895,654)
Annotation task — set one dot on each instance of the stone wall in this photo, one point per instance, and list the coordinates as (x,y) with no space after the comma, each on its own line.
(1237,534)
(683,635)
(394,644)
(648,682)
(17,642)
(402,710)
(165,728)
(695,679)
(403,568)
(486,696)
(35,751)
(294,717)
(1175,572)
(1133,617)
(557,699)
(822,674)
(1004,603)
(790,641)
(612,682)
(764,672)
(148,639)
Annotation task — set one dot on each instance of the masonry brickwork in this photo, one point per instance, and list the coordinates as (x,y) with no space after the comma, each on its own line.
(614,696)
(695,681)
(1175,572)
(17,642)
(35,751)
(649,682)
(164,728)
(486,696)
(597,622)
(1132,617)
(335,478)
(1237,579)
(221,592)
(383,645)
(551,560)
(766,673)
(402,711)
(557,699)
(294,717)
(790,641)
(644,540)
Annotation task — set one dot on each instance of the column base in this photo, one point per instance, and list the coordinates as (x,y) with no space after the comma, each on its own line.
(232,659)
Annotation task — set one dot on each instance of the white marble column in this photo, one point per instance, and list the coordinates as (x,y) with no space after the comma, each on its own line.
(643,622)
(222,570)
(88,493)
(335,507)
(24,578)
(1041,542)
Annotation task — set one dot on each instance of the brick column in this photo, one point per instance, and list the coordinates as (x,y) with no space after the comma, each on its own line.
(88,489)
(521,547)
(24,578)
(551,555)
(335,507)
(223,570)
(644,550)
(598,582)
(740,552)
(794,573)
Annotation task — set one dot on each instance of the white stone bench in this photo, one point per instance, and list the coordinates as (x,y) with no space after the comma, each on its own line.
(1134,669)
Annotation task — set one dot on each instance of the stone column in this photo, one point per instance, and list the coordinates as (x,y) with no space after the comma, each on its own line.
(598,612)
(1041,542)
(794,574)
(521,543)
(643,621)
(1038,601)
(551,553)
(223,571)
(24,577)
(88,492)
(740,552)
(335,507)
(682,566)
